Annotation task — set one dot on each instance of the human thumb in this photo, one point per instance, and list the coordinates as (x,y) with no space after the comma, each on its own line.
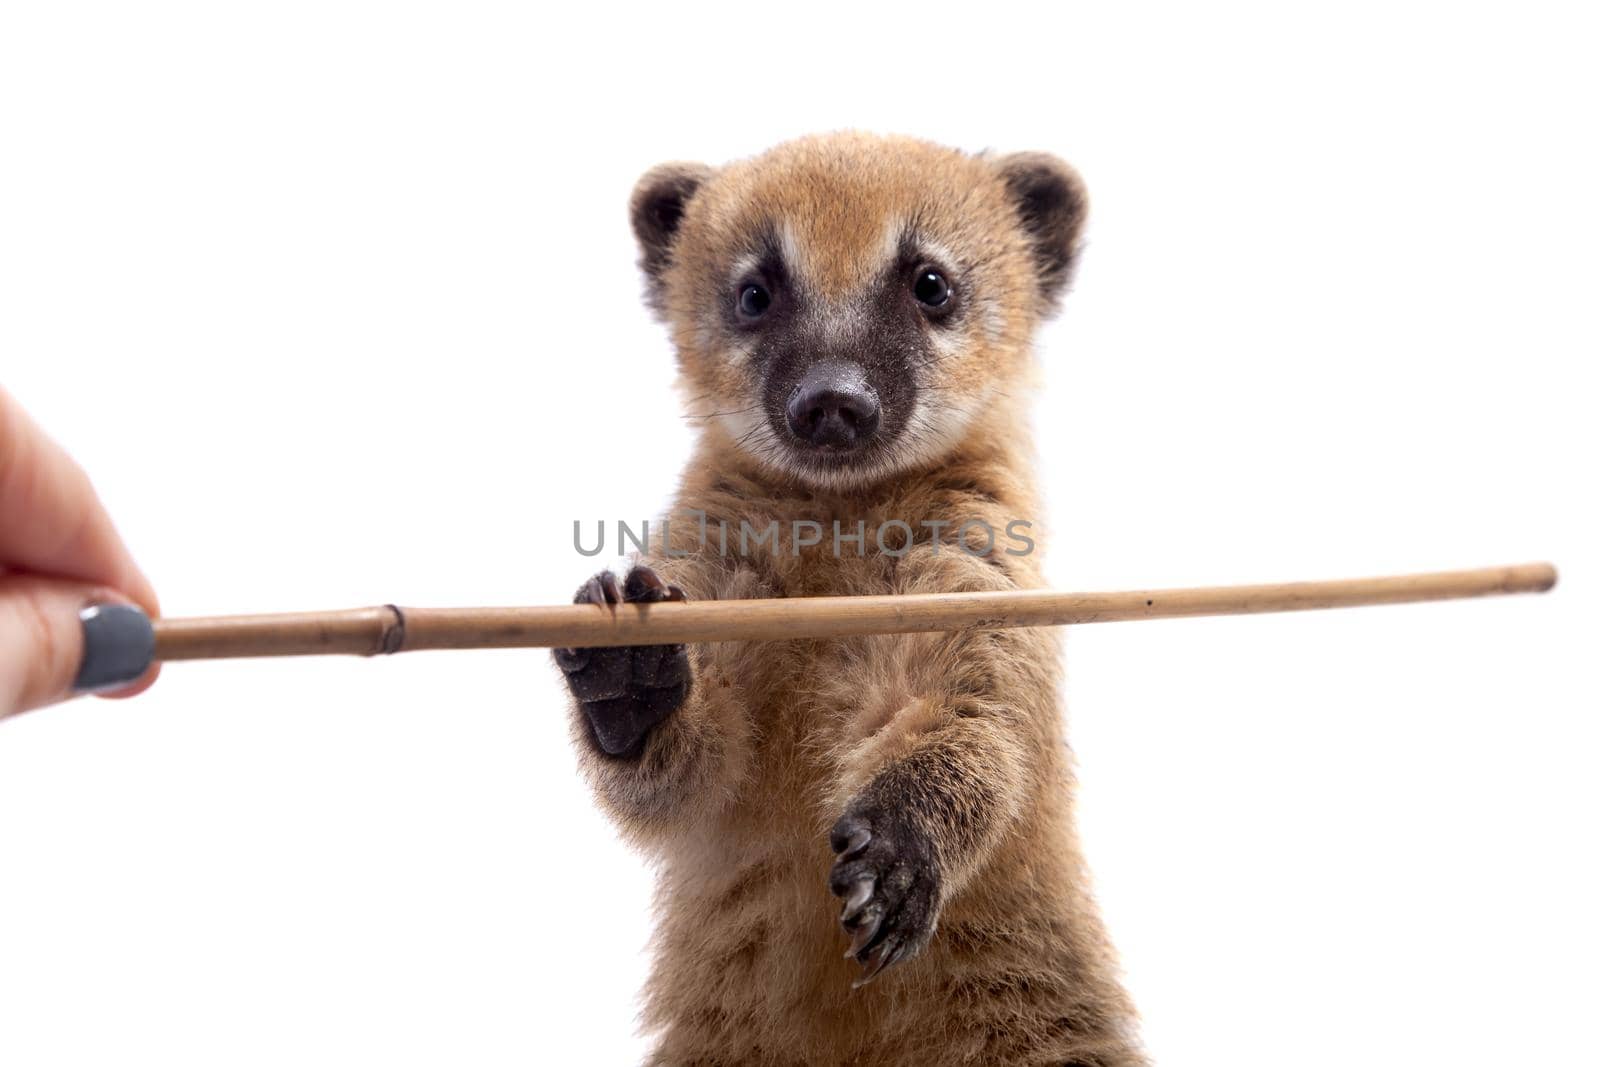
(59,638)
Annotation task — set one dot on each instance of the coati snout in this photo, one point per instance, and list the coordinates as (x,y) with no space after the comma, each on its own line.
(833,407)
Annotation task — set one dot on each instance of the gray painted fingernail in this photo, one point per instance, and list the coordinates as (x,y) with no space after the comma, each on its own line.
(119,644)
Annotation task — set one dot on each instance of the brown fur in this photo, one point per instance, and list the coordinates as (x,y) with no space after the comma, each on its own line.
(735,792)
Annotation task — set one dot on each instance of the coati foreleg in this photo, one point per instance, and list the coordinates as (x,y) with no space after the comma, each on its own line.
(655,739)
(948,773)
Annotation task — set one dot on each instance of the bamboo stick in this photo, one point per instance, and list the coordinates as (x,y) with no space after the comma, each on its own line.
(388,629)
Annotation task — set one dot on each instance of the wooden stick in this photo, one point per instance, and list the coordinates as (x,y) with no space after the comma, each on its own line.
(386,629)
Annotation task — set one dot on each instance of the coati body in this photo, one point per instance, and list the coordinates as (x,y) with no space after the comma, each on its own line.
(865,845)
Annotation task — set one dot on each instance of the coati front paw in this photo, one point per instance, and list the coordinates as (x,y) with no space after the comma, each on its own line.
(625,692)
(887,873)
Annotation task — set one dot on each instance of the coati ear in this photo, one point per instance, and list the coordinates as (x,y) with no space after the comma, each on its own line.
(659,200)
(1052,204)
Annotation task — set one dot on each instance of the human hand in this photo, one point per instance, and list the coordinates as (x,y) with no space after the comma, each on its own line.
(75,610)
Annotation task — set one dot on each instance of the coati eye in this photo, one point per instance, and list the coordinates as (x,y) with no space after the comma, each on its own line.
(754,301)
(930,288)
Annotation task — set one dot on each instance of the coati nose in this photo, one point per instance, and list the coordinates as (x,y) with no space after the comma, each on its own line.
(833,407)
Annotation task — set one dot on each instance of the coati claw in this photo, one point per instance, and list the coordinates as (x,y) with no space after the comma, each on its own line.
(643,580)
(886,954)
(850,846)
(887,873)
(626,692)
(646,586)
(857,899)
(866,930)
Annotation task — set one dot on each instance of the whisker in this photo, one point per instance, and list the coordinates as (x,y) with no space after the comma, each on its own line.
(716,414)
(930,361)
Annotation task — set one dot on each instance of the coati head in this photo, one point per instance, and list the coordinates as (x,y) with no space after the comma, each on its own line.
(846,306)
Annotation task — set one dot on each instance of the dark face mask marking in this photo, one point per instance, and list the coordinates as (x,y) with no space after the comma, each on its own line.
(841,399)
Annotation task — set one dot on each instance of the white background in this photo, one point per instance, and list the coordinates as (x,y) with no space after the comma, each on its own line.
(337,303)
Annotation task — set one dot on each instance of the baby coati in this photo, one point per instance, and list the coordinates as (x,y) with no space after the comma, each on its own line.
(865,845)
